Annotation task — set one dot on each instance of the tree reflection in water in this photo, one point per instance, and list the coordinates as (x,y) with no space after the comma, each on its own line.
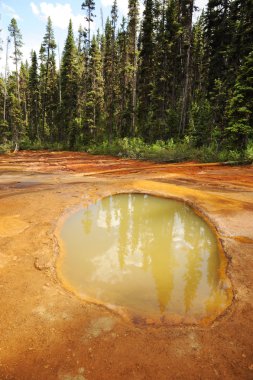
(145,253)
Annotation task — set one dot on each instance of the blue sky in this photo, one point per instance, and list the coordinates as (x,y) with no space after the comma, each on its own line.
(32,15)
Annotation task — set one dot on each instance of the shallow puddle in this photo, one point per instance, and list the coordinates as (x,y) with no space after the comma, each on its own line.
(152,256)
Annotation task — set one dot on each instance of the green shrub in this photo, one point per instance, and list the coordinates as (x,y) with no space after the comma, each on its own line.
(249,151)
(168,151)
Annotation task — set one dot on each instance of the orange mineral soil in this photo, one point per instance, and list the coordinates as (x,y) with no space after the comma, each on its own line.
(48,333)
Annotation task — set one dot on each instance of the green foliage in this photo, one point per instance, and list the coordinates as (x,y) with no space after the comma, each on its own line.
(17,40)
(166,151)
(240,106)
(48,84)
(249,151)
(201,122)
(6,147)
(69,88)
(27,144)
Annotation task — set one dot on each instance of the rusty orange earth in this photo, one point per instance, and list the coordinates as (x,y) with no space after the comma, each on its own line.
(48,333)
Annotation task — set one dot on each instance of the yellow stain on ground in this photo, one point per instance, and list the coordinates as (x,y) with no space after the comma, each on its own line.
(12,225)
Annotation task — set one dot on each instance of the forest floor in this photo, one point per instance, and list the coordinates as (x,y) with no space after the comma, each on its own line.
(47,333)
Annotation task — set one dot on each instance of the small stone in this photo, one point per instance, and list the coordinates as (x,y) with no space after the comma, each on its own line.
(42,263)
(243,355)
(251,367)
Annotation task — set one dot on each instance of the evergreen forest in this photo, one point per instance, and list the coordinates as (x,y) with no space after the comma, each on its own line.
(159,85)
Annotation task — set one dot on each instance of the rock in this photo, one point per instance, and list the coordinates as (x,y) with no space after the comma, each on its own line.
(41,263)
(44,259)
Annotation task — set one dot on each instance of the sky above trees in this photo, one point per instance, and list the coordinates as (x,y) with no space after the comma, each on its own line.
(32,16)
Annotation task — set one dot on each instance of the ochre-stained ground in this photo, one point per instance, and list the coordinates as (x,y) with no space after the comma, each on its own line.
(47,333)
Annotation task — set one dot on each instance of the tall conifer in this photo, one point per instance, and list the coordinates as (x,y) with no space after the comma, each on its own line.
(69,81)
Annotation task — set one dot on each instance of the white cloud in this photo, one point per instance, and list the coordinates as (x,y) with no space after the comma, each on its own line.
(35,9)
(60,14)
(10,11)
(122,5)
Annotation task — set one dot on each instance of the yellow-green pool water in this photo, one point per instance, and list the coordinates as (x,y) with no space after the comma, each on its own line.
(153,256)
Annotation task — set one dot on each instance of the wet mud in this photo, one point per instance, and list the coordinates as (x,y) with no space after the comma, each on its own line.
(49,333)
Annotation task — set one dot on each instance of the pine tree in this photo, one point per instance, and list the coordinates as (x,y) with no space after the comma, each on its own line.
(69,82)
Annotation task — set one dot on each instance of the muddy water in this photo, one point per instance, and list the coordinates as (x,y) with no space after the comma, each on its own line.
(153,256)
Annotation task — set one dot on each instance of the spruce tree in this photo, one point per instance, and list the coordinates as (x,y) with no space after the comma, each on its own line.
(217,41)
(200,123)
(94,117)
(218,34)
(15,100)
(14,113)
(159,93)
(108,79)
(132,35)
(187,14)
(24,100)
(48,78)
(16,36)
(34,99)
(122,70)
(146,70)
(240,106)
(89,7)
(69,84)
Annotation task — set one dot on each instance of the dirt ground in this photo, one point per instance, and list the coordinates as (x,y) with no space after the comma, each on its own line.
(47,333)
